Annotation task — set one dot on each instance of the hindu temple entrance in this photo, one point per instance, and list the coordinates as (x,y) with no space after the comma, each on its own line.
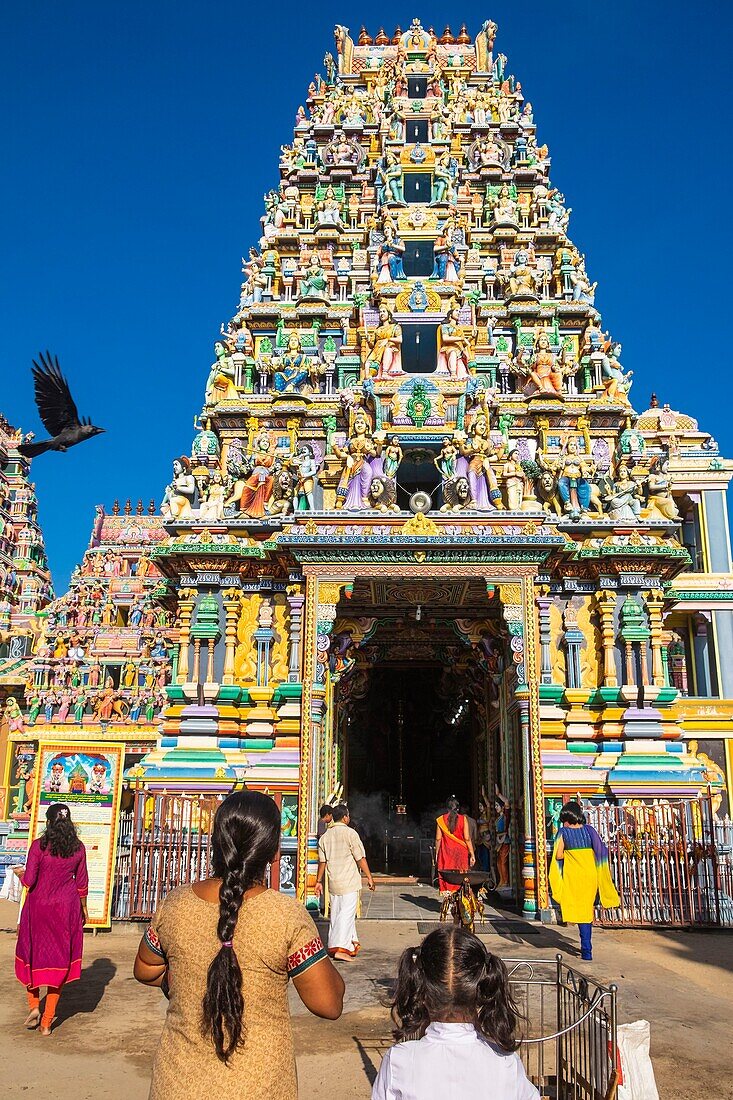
(416,665)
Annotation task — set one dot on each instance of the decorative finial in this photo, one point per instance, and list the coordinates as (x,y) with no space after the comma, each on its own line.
(397,35)
(464,38)
(365,39)
(446,38)
(382,39)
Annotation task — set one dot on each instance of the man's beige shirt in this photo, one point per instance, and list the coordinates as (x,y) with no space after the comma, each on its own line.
(341,849)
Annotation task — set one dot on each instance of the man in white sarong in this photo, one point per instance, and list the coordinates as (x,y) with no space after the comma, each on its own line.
(342,857)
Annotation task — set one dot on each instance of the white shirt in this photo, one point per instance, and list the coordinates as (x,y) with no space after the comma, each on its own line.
(451,1060)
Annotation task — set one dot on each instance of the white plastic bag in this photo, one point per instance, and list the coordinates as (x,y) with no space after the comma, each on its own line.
(637,1073)
(11,888)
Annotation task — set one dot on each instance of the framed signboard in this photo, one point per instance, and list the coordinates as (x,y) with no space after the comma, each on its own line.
(88,778)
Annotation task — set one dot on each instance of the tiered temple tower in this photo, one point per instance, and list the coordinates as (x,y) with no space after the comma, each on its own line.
(417,447)
(25,582)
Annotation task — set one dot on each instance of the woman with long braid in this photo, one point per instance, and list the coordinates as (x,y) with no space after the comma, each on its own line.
(224,950)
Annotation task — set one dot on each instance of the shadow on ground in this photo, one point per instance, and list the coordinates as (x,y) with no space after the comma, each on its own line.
(85,995)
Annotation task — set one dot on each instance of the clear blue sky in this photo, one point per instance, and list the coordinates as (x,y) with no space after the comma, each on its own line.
(138,139)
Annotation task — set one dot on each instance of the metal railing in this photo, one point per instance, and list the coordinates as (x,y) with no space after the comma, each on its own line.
(164,842)
(671,863)
(569,1043)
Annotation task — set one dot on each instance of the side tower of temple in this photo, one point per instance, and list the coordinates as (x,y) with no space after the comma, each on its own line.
(422,538)
(25,585)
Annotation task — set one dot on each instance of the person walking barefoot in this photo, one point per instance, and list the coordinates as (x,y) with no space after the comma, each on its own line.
(341,856)
(51,930)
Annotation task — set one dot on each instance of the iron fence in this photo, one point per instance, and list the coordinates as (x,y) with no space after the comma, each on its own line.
(164,842)
(569,1045)
(671,862)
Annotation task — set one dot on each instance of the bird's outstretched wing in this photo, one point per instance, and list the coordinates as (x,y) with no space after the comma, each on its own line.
(55,404)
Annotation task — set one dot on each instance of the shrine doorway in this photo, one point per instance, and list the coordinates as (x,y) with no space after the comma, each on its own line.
(412,706)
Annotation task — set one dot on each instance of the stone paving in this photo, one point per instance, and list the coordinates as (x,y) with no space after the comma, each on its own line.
(108,1024)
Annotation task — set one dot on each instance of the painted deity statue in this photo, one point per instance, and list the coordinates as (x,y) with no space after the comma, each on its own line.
(442,183)
(389,257)
(446,261)
(660,502)
(357,471)
(385,347)
(477,451)
(293,369)
(220,383)
(521,280)
(179,495)
(574,472)
(455,351)
(446,463)
(211,508)
(616,382)
(314,283)
(329,211)
(513,477)
(250,495)
(306,471)
(505,208)
(543,374)
(623,502)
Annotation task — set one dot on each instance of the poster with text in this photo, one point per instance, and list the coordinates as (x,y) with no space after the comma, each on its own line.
(87,778)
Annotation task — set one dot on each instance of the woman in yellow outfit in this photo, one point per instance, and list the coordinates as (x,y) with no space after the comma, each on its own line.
(579,872)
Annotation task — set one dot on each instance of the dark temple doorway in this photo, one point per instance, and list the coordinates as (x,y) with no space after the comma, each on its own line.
(411,710)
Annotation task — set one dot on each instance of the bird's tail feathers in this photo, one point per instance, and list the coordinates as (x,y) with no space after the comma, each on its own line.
(30,450)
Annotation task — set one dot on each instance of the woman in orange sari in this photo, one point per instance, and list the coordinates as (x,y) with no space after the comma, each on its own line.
(453,845)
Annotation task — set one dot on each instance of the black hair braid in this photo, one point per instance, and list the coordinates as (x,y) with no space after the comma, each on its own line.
(245,839)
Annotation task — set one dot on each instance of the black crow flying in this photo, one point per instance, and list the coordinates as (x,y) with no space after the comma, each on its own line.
(57,410)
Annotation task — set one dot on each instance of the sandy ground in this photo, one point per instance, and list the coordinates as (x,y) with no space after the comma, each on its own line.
(108,1024)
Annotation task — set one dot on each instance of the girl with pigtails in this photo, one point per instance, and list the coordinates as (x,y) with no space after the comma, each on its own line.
(455,1025)
(224,950)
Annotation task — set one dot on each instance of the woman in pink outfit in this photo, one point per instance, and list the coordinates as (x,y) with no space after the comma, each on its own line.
(51,932)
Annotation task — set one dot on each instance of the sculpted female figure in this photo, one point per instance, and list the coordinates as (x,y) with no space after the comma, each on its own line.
(661,504)
(356,475)
(178,498)
(477,450)
(513,476)
(251,496)
(314,283)
(544,374)
(389,257)
(293,368)
(385,342)
(455,347)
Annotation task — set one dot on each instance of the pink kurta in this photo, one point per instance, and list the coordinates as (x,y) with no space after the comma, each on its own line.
(51,932)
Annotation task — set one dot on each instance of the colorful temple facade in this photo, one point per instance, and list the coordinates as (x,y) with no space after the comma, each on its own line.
(422,543)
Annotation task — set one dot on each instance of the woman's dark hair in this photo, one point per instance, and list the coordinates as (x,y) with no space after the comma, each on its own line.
(452,976)
(60,838)
(245,839)
(572,814)
(453,806)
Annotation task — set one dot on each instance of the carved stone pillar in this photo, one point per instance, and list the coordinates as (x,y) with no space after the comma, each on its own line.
(519,614)
(296,600)
(232,606)
(320,614)
(606,604)
(544,603)
(654,602)
(186,600)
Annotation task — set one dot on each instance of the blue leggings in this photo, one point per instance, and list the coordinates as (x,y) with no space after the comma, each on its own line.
(585,930)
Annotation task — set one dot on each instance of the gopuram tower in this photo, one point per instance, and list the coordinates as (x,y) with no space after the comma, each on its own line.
(422,543)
